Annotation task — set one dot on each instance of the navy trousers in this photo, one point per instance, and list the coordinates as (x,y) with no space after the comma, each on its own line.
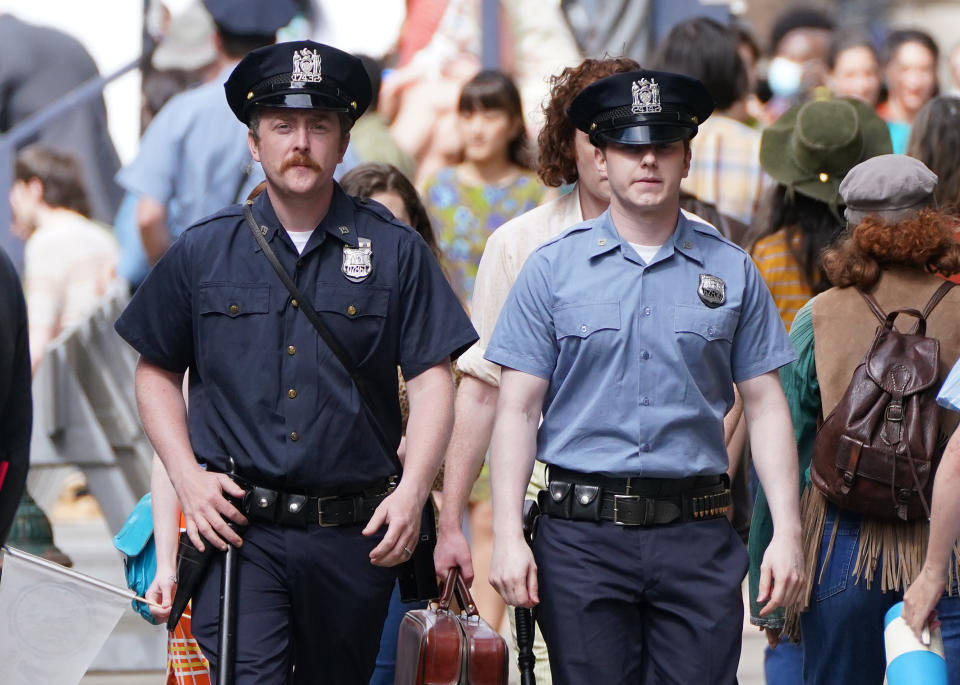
(311,606)
(625,604)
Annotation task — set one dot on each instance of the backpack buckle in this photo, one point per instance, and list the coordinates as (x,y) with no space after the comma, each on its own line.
(894,412)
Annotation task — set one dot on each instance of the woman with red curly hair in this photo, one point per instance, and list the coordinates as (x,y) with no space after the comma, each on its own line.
(896,247)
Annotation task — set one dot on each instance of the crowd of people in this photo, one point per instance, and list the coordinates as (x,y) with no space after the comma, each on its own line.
(632,286)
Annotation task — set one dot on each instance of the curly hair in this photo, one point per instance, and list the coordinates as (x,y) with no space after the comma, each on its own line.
(558,163)
(924,241)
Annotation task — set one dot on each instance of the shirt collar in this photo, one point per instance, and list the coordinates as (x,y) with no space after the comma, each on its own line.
(605,236)
(338,222)
(684,239)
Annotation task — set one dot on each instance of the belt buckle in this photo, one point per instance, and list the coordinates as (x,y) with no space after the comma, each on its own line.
(320,521)
(647,514)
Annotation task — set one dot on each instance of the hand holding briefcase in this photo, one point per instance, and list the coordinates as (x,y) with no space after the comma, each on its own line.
(437,647)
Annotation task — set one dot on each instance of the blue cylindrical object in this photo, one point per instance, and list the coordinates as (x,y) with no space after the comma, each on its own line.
(909,661)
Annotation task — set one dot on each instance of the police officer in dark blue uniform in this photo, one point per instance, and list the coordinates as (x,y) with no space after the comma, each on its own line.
(270,402)
(628,333)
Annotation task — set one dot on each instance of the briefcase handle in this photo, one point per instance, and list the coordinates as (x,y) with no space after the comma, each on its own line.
(454,584)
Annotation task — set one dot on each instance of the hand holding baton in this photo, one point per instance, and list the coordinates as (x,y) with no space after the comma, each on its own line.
(526,627)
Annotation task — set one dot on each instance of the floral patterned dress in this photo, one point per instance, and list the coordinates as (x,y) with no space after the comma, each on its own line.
(464,216)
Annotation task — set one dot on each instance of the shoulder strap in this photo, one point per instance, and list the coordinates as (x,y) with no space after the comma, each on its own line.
(874,305)
(936,297)
(306,306)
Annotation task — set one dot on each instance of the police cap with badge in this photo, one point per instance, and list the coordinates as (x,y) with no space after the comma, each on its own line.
(301,75)
(641,108)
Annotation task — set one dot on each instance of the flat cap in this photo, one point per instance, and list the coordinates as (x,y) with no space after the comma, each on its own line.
(300,75)
(890,186)
(251,17)
(641,108)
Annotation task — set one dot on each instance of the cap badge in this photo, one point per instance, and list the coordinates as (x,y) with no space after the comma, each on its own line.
(358,261)
(712,290)
(306,66)
(646,97)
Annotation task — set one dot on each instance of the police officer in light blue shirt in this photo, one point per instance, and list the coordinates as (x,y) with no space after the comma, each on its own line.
(628,333)
(193,157)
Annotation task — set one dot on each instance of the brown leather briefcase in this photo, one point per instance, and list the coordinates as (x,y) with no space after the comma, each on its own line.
(438,647)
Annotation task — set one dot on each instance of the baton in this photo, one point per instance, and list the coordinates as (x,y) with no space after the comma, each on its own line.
(227,642)
(526,627)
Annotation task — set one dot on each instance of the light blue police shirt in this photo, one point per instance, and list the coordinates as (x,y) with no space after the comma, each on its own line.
(949,396)
(193,157)
(641,370)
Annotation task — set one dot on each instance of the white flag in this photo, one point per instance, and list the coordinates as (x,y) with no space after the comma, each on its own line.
(53,621)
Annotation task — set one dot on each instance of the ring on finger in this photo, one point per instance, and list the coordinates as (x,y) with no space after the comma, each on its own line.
(407,550)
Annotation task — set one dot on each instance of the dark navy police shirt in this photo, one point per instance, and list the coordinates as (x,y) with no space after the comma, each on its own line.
(264,389)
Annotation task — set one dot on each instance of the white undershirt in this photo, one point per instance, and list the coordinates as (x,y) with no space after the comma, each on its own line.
(300,238)
(646,252)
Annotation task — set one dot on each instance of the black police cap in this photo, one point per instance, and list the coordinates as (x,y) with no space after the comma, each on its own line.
(641,108)
(251,17)
(301,75)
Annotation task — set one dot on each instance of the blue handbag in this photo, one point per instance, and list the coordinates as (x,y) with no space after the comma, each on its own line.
(135,542)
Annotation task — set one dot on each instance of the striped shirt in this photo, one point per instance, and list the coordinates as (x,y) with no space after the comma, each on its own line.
(782,274)
(949,396)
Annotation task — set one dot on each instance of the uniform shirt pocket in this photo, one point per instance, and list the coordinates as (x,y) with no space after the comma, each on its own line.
(704,340)
(234,299)
(709,324)
(356,315)
(583,320)
(234,326)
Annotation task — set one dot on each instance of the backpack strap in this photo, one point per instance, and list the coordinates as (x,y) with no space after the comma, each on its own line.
(936,297)
(921,324)
(874,305)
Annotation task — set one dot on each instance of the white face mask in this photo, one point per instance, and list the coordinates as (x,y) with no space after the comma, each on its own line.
(784,77)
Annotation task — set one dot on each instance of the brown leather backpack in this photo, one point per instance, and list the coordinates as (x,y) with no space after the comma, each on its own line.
(877,451)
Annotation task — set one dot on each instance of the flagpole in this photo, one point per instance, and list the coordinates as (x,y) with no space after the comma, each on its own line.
(76,575)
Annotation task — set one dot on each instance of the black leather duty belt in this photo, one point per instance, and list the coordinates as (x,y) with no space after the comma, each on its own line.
(293,509)
(634,501)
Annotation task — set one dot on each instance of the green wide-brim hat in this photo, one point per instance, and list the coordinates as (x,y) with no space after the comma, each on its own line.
(812,146)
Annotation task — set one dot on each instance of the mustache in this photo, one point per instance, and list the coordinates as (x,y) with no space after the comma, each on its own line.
(298,159)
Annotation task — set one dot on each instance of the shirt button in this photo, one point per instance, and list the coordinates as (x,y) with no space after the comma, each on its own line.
(351,310)
(647,311)
(291,350)
(291,393)
(294,304)
(711,330)
(644,355)
(583,328)
(645,447)
(645,401)
(234,309)
(294,436)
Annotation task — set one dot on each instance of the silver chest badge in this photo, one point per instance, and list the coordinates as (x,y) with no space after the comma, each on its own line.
(712,290)
(306,66)
(646,97)
(358,261)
